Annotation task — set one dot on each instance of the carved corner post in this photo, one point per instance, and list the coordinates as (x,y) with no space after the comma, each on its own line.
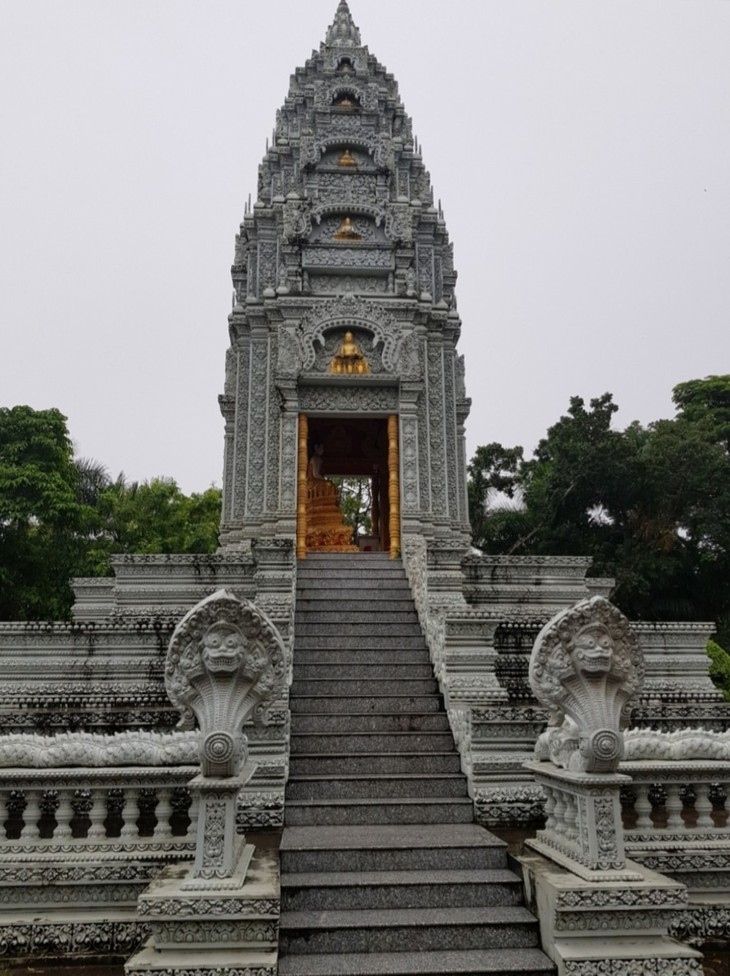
(393,487)
(224,663)
(586,667)
(225,660)
(302,486)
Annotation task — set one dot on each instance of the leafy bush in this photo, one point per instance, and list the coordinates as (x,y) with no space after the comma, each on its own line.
(720,667)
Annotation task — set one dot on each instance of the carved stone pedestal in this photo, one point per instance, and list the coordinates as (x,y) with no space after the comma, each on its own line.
(209,928)
(608,928)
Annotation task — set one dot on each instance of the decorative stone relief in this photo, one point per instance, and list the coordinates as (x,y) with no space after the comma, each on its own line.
(399,222)
(586,666)
(86,749)
(344,312)
(408,358)
(346,401)
(680,745)
(344,284)
(225,660)
(339,256)
(297,218)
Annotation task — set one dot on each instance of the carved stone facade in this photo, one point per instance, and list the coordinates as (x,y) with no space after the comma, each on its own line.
(343,237)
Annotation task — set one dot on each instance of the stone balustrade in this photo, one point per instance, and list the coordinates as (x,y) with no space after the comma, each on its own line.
(125,812)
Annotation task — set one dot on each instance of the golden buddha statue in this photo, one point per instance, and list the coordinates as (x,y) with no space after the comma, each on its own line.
(326,528)
(347,231)
(347,159)
(348,358)
(344,101)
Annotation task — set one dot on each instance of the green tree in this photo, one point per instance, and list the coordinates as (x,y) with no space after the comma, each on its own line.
(355,500)
(62,517)
(650,505)
(40,513)
(152,517)
(706,400)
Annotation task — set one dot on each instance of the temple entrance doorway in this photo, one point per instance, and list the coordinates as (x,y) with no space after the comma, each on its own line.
(348,466)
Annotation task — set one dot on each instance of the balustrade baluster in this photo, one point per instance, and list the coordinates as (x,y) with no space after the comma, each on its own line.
(130,815)
(549,808)
(31,815)
(4,814)
(163,812)
(559,813)
(193,813)
(703,806)
(642,805)
(673,805)
(64,815)
(97,814)
(722,797)
(571,818)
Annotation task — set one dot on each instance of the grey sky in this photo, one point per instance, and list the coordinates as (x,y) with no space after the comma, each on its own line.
(580,148)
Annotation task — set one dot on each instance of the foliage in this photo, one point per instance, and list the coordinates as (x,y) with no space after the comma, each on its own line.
(650,505)
(152,517)
(62,517)
(355,504)
(720,667)
(40,513)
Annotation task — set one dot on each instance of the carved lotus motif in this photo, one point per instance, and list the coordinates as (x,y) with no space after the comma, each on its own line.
(586,666)
(225,659)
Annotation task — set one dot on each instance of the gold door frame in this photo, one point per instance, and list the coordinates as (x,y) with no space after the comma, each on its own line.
(393,486)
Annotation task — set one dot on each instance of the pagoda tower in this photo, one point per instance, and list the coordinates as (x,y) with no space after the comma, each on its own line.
(344,328)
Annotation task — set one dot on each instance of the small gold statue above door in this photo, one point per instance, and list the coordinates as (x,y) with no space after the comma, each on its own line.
(349,359)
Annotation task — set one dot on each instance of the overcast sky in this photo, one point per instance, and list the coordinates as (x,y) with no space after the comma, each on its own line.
(580,148)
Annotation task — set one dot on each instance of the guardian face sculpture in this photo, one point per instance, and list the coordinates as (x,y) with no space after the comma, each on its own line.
(586,666)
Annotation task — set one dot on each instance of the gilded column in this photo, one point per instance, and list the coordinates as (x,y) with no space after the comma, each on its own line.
(302,487)
(393,487)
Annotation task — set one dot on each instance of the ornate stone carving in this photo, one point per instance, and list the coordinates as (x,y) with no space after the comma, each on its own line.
(682,744)
(376,399)
(86,749)
(586,666)
(225,660)
(297,218)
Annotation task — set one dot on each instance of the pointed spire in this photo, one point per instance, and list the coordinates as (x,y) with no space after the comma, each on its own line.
(343,31)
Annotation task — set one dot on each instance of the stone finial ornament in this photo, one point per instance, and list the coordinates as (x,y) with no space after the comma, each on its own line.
(586,666)
(343,31)
(224,661)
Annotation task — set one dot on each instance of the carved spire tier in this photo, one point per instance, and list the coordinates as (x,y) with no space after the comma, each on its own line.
(343,237)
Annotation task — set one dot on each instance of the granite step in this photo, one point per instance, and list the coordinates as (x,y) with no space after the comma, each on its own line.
(399,889)
(467,962)
(321,704)
(370,741)
(348,764)
(361,599)
(335,658)
(354,721)
(351,642)
(332,576)
(343,618)
(362,686)
(378,847)
(365,812)
(310,671)
(336,586)
(383,868)
(407,930)
(364,628)
(374,785)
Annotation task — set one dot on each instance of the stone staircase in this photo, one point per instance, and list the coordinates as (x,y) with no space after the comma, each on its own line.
(383,869)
